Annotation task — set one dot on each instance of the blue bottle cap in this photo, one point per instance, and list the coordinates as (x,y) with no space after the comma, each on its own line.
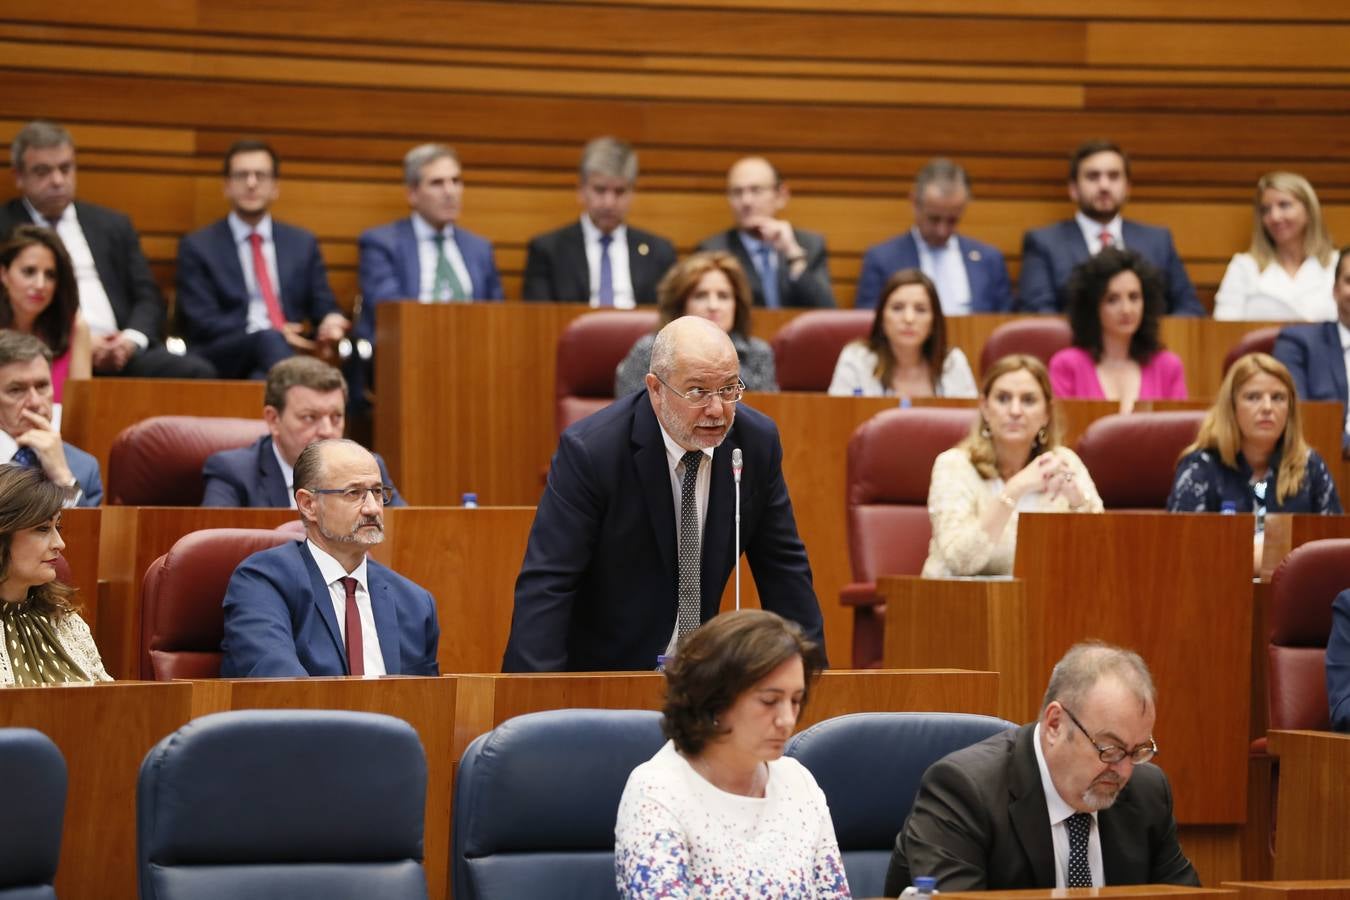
(925,882)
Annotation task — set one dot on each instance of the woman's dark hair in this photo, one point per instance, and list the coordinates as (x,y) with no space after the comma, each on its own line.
(722,660)
(55,323)
(1087,289)
(28,499)
(934,349)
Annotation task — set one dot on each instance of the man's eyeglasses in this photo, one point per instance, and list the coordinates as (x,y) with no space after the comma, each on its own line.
(701,397)
(354,495)
(1111,753)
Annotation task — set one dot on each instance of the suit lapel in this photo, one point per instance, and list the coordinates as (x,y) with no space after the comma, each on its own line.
(975,274)
(406,239)
(270,479)
(224,248)
(1331,334)
(323,602)
(288,278)
(1028,811)
(475,280)
(96,238)
(909,253)
(386,618)
(653,472)
(573,251)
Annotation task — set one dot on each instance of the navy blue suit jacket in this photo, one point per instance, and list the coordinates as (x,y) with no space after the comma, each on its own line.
(391,268)
(1313,355)
(1051,253)
(556,266)
(1338,663)
(990,289)
(811,288)
(212,294)
(597,588)
(279,619)
(250,477)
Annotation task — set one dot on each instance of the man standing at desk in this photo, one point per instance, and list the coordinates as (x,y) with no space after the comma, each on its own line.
(633,540)
(1067,801)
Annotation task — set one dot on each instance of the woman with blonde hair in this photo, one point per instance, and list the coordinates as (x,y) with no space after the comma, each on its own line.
(1287,272)
(1011,462)
(711,285)
(45,640)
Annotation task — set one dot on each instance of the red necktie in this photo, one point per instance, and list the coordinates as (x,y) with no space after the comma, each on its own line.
(1106,239)
(265,283)
(356,660)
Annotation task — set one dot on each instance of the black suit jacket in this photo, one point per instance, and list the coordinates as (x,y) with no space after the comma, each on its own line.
(556,269)
(597,589)
(251,477)
(812,288)
(122,268)
(980,822)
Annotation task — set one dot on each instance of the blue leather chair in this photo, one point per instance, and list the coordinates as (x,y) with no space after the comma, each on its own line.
(536,799)
(35,789)
(302,804)
(869,765)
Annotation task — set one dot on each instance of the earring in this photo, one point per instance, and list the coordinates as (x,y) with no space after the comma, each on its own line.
(1041,436)
(984,430)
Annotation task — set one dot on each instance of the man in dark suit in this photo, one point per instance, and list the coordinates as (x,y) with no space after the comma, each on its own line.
(322,606)
(970,275)
(248,285)
(27,436)
(1067,801)
(304,401)
(612,576)
(426,256)
(1338,662)
(600,260)
(786,266)
(118,294)
(1318,356)
(1099,182)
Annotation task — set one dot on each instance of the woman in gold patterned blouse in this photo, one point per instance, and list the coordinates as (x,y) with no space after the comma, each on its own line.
(45,640)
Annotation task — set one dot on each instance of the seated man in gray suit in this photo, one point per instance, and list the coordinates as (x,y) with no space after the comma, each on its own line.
(304,401)
(1067,801)
(786,266)
(27,436)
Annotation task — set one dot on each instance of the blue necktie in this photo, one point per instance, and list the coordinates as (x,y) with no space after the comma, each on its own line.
(606,292)
(26,457)
(767,276)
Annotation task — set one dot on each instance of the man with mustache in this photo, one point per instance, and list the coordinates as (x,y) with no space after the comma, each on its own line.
(1069,800)
(633,540)
(1099,183)
(321,606)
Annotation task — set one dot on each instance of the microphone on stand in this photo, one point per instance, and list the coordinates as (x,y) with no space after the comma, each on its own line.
(736,463)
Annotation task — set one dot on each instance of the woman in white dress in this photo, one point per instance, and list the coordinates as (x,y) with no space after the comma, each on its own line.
(906,353)
(1287,272)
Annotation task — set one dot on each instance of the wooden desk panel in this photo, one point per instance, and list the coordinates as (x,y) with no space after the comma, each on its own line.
(1132,892)
(103,731)
(1286,532)
(427,704)
(1290,890)
(1313,836)
(80,531)
(96,410)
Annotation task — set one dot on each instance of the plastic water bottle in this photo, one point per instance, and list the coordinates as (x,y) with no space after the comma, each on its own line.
(1229,508)
(924,886)
(469,500)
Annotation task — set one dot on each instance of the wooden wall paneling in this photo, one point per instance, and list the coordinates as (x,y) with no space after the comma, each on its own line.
(1313,836)
(80,530)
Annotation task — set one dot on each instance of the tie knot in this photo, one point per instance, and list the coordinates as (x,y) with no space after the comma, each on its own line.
(606,240)
(1079,824)
(349,585)
(1107,239)
(254,238)
(691,461)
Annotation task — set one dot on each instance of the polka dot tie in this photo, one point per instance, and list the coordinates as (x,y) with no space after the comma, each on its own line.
(689,613)
(1080,873)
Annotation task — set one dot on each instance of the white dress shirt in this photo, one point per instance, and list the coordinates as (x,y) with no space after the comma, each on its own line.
(622,278)
(258,317)
(426,260)
(674,461)
(1250,292)
(332,572)
(287,475)
(947,268)
(1092,232)
(94,302)
(1059,832)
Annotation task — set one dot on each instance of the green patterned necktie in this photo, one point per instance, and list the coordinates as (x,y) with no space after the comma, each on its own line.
(447,282)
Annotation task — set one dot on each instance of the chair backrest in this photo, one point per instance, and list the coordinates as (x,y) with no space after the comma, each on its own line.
(158,461)
(1039,336)
(298,803)
(1260,340)
(182,617)
(35,788)
(1301,592)
(869,765)
(590,349)
(806,349)
(1132,458)
(890,462)
(536,799)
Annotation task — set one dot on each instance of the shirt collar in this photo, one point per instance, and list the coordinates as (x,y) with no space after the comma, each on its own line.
(67,214)
(241,229)
(331,570)
(422,228)
(1054,803)
(8,447)
(592,234)
(674,452)
(287,470)
(1095,228)
(952,242)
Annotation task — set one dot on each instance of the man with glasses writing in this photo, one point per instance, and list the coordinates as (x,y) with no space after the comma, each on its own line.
(1067,801)
(321,606)
(634,539)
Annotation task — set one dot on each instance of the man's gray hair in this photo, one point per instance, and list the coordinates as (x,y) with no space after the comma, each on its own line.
(421,156)
(611,157)
(943,174)
(1087,663)
(36,134)
(663,354)
(15,346)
